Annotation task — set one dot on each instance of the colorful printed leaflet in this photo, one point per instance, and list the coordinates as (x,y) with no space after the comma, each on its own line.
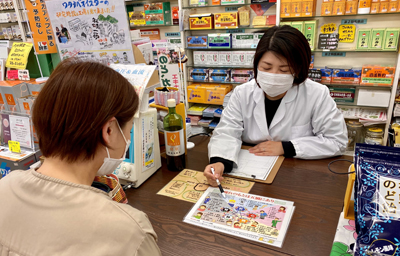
(259,219)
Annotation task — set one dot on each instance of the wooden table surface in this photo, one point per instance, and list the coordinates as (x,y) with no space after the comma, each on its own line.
(317,194)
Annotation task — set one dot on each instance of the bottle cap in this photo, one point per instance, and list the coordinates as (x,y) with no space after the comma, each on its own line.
(171,103)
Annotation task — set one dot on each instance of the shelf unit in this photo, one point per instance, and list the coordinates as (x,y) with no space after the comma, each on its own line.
(357,58)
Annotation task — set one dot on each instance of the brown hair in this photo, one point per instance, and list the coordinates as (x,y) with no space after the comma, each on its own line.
(75,103)
(289,43)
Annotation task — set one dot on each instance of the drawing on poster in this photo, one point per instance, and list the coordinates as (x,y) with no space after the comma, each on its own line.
(189,185)
(92,33)
(253,217)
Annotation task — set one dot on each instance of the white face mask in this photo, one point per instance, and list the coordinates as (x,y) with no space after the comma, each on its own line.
(274,84)
(110,164)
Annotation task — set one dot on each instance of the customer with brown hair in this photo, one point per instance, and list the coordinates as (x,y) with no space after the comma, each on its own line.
(83,117)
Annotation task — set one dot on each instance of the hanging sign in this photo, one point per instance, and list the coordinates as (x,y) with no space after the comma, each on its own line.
(42,32)
(169,73)
(347,33)
(92,30)
(334,54)
(18,57)
(328,28)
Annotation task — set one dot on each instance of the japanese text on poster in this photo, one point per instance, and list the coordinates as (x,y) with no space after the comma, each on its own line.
(42,32)
(92,30)
(328,28)
(347,33)
(18,57)
(21,130)
(169,73)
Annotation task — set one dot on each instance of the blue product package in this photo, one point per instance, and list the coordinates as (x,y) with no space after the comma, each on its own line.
(219,75)
(377,199)
(196,42)
(219,41)
(198,74)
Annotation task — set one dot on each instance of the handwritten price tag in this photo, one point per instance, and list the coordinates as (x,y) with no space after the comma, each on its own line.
(14,146)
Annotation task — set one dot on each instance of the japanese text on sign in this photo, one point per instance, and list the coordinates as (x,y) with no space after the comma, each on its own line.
(334,54)
(347,33)
(39,20)
(18,57)
(390,197)
(14,146)
(89,11)
(354,21)
(328,28)
(83,4)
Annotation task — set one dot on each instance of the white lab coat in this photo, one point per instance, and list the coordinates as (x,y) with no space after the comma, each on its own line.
(307,116)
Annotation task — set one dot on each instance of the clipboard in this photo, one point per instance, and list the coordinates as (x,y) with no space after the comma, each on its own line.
(271,175)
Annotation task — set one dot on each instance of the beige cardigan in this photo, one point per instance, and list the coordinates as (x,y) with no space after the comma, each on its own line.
(40,215)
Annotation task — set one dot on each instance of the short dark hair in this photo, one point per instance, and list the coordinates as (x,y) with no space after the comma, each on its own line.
(289,43)
(75,103)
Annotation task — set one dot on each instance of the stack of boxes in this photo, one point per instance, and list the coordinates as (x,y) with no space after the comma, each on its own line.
(385,6)
(379,39)
(221,75)
(152,14)
(298,8)
(308,28)
(208,94)
(338,7)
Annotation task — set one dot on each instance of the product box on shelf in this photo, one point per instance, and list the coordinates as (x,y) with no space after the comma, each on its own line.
(16,32)
(393,6)
(228,2)
(384,7)
(198,74)
(346,76)
(375,7)
(343,94)
(351,7)
(226,20)
(286,6)
(11,91)
(3,102)
(156,8)
(377,75)
(196,93)
(219,41)
(137,18)
(175,15)
(154,19)
(363,39)
(244,40)
(326,9)
(326,75)
(216,93)
(310,32)
(212,58)
(391,39)
(219,75)
(312,62)
(225,58)
(196,42)
(249,58)
(26,103)
(238,58)
(307,8)
(198,2)
(296,9)
(377,38)
(299,25)
(201,21)
(199,58)
(376,98)
(339,8)
(242,75)
(34,87)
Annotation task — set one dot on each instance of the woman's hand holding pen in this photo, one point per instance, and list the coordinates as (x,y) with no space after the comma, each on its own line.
(268,148)
(218,170)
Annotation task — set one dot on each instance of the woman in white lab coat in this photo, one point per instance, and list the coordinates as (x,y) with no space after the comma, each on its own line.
(281,112)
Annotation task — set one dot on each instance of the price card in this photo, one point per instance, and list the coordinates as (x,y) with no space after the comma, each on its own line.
(328,28)
(14,146)
(12,74)
(347,33)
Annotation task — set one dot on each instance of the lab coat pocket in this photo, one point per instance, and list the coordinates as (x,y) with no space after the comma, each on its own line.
(301,131)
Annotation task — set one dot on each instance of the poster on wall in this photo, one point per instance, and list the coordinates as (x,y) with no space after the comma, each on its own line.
(92,30)
(42,32)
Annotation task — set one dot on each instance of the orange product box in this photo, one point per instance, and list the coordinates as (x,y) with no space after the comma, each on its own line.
(216,2)
(307,9)
(286,9)
(339,8)
(398,7)
(216,93)
(375,1)
(384,8)
(375,8)
(377,75)
(351,7)
(296,9)
(201,21)
(393,6)
(326,9)
(196,93)
(226,20)
(11,91)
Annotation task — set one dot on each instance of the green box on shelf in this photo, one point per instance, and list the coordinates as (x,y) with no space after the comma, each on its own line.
(363,39)
(310,32)
(167,13)
(299,25)
(342,94)
(377,39)
(391,39)
(219,41)
(285,23)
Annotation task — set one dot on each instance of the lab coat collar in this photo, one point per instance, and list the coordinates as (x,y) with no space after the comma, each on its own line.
(259,110)
(281,111)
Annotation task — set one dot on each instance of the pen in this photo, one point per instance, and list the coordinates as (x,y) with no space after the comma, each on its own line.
(219,184)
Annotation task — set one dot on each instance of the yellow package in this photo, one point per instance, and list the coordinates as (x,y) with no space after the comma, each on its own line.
(296,9)
(307,8)
(326,9)
(196,93)
(375,8)
(259,21)
(244,16)
(216,93)
(338,8)
(351,7)
(285,9)
(384,8)
(226,20)
(393,6)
